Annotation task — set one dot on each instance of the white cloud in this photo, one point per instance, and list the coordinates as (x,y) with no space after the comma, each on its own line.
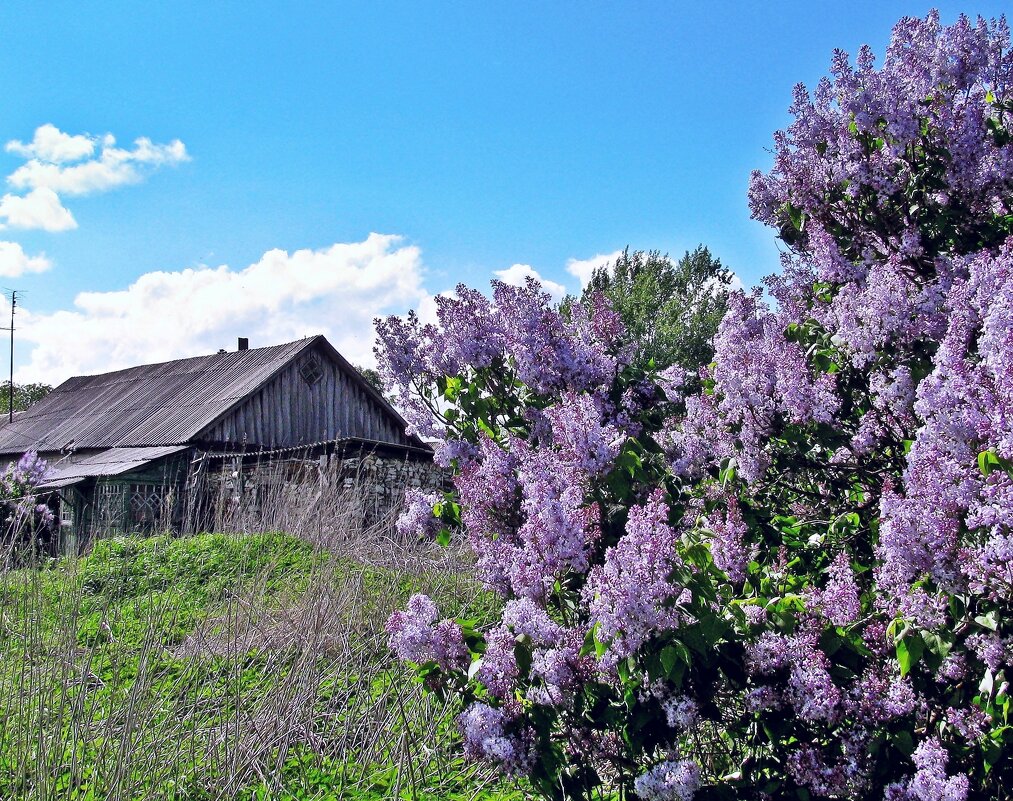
(113,167)
(336,291)
(583,269)
(40,208)
(15,262)
(53,145)
(515,275)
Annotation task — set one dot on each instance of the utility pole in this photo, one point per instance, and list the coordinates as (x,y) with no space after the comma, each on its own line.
(10,386)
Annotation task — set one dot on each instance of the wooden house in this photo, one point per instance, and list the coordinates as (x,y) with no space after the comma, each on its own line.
(121,445)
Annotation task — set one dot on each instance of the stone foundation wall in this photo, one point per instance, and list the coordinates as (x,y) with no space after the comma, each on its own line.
(384,480)
(255,493)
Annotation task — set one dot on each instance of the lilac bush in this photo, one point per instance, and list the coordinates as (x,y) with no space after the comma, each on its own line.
(25,520)
(795,581)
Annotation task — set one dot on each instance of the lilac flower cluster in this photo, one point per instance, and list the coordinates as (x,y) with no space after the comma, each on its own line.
(810,689)
(967,406)
(761,378)
(518,330)
(672,780)
(839,600)
(631,596)
(415,635)
(930,782)
(730,547)
(18,490)
(417,520)
(487,733)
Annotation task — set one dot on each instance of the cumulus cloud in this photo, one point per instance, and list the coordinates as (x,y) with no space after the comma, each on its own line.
(55,162)
(583,269)
(515,275)
(40,208)
(52,145)
(336,291)
(59,163)
(15,262)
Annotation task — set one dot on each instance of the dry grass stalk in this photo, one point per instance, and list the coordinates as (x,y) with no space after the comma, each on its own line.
(273,688)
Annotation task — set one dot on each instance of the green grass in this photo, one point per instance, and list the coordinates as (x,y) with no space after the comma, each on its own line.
(222,666)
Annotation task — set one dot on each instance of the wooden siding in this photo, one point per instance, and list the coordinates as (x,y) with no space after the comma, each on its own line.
(287,411)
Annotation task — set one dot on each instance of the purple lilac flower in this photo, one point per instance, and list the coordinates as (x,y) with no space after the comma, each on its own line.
(31,469)
(558,528)
(486,734)
(417,520)
(681,713)
(808,766)
(629,597)
(811,690)
(530,620)
(755,615)
(967,406)
(953,668)
(991,649)
(673,780)
(839,599)
(560,669)
(498,670)
(673,381)
(879,697)
(759,376)
(415,636)
(730,548)
(971,723)
(930,782)
(552,353)
(586,443)
(761,698)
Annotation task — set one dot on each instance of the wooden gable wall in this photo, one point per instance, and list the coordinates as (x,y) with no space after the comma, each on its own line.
(288,411)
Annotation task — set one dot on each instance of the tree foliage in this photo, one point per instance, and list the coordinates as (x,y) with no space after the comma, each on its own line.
(793,581)
(372,377)
(24,395)
(671,310)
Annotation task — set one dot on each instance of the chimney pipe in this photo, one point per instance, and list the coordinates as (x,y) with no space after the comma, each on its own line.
(244,343)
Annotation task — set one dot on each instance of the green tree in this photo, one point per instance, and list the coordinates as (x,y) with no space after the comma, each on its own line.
(24,395)
(671,309)
(372,378)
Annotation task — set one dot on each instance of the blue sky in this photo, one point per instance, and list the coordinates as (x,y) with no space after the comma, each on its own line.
(477,138)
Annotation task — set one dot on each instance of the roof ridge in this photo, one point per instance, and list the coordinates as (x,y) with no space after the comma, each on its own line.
(304,341)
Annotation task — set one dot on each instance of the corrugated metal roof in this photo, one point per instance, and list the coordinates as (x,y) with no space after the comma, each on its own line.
(111,462)
(155,404)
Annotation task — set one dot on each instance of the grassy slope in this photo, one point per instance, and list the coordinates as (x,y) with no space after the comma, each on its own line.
(220,666)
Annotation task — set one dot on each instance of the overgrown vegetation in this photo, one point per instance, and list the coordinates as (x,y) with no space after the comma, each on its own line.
(224,666)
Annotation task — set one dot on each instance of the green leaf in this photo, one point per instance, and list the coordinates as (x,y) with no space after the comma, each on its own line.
(904,742)
(669,658)
(443,537)
(909,651)
(988,461)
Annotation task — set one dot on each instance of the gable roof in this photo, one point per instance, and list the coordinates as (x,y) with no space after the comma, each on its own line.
(158,404)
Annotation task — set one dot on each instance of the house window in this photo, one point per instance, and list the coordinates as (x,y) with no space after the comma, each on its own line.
(145,503)
(311,370)
(66,512)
